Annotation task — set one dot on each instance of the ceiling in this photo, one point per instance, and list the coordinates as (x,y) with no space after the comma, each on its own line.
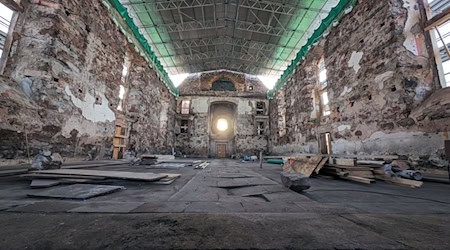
(258,37)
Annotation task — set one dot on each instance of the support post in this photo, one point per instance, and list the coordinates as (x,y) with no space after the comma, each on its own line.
(260,158)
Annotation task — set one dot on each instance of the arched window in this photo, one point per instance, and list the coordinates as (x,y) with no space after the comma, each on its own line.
(223,85)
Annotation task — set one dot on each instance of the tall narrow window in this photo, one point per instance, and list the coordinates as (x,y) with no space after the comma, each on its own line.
(440,35)
(260,108)
(185,107)
(281,107)
(260,128)
(184,126)
(8,16)
(5,21)
(323,89)
(121,96)
(125,72)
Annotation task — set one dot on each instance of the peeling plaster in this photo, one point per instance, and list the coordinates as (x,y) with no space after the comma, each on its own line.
(200,105)
(244,107)
(413,18)
(88,128)
(90,110)
(343,128)
(354,60)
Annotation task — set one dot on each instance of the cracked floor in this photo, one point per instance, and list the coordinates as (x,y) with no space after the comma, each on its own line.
(229,205)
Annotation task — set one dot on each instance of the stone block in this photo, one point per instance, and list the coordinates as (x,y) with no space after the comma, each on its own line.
(295,181)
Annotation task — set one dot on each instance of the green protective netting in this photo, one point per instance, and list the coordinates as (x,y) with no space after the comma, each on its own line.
(334,15)
(143,43)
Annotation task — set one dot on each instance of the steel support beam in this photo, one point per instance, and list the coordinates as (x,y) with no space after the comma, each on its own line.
(211,24)
(258,58)
(202,42)
(259,5)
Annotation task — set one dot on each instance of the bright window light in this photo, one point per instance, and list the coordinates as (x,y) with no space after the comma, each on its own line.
(222,124)
(121,95)
(121,92)
(6,15)
(178,79)
(268,81)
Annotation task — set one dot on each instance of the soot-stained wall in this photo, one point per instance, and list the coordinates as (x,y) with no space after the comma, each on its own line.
(384,95)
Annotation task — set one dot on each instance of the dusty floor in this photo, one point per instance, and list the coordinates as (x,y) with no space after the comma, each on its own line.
(205,209)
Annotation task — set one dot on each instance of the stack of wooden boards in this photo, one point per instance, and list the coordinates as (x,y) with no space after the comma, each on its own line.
(48,178)
(363,171)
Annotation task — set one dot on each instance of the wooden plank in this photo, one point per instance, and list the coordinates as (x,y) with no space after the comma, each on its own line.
(438,19)
(58,176)
(321,165)
(344,162)
(356,168)
(168,180)
(369,162)
(13,172)
(368,157)
(401,181)
(358,179)
(303,165)
(108,174)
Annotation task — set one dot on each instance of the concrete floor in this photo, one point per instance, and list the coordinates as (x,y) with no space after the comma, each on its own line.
(207,209)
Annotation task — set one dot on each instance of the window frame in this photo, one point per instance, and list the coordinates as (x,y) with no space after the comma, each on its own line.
(184,129)
(325,109)
(183,109)
(260,111)
(16,8)
(432,25)
(260,131)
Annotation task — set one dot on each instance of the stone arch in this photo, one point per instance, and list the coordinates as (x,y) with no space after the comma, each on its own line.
(223,84)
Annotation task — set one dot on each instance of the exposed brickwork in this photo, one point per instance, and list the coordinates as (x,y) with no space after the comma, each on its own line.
(377,83)
(71,54)
(151,108)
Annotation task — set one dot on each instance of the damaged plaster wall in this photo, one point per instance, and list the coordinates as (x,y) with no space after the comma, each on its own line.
(384,98)
(197,90)
(61,82)
(151,109)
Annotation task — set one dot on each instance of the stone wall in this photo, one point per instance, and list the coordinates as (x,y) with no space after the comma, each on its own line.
(151,109)
(384,95)
(197,90)
(61,84)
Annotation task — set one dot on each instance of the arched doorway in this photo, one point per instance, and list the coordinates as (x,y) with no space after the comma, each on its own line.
(222,121)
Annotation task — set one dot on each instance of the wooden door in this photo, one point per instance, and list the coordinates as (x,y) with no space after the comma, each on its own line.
(221,150)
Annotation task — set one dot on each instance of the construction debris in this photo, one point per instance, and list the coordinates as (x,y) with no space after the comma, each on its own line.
(368,171)
(148,160)
(401,169)
(46,160)
(201,165)
(362,171)
(303,165)
(295,181)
